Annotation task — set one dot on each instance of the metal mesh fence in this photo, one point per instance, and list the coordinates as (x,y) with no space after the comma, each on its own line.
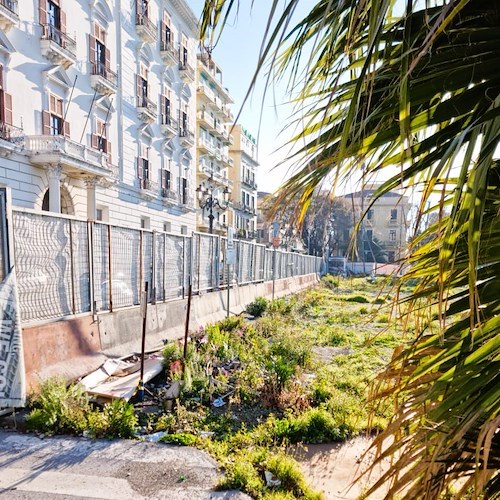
(68,266)
(43,246)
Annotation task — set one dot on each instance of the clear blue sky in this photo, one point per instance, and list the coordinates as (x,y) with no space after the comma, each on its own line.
(237,54)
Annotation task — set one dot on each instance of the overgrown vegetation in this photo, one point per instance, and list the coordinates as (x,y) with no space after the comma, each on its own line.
(61,409)
(249,390)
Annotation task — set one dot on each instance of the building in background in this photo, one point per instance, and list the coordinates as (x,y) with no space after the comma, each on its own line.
(97,110)
(243,175)
(383,233)
(214,118)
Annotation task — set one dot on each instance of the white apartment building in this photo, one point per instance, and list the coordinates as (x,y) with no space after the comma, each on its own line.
(214,118)
(97,109)
(244,154)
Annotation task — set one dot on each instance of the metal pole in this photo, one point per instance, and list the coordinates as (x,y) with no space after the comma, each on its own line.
(144,304)
(274,268)
(210,217)
(188,314)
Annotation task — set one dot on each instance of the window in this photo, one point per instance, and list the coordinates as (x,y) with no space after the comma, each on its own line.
(99,139)
(166,108)
(143,167)
(184,190)
(5,110)
(184,123)
(145,222)
(53,120)
(166,182)
(369,234)
(142,87)
(369,215)
(184,51)
(167,37)
(102,213)
(184,230)
(167,227)
(142,8)
(100,58)
(394,214)
(392,235)
(53,21)
(391,256)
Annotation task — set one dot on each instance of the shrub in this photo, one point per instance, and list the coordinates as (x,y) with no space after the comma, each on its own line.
(258,307)
(288,471)
(120,419)
(180,439)
(59,408)
(281,306)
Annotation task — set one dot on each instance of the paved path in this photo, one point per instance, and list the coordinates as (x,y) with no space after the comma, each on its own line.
(67,468)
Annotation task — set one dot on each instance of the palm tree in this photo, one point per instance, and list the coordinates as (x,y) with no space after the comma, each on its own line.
(420,90)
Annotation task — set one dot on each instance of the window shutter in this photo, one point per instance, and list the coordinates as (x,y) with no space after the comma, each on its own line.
(163,110)
(62,20)
(94,142)
(66,129)
(138,90)
(107,145)
(139,169)
(42,12)
(107,55)
(92,51)
(45,123)
(1,77)
(7,110)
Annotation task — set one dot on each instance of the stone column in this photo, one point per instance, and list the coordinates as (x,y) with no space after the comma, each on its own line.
(91,183)
(55,188)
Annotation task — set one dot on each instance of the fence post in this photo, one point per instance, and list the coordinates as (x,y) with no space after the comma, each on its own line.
(153,268)
(110,286)
(90,257)
(72,262)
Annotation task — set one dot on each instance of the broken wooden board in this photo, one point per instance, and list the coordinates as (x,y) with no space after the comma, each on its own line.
(125,386)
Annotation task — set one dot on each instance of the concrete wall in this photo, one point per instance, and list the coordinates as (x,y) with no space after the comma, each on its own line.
(75,347)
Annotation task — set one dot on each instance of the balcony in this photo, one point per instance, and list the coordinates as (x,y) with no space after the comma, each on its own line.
(146,109)
(148,189)
(102,79)
(187,203)
(76,159)
(205,93)
(10,138)
(169,53)
(227,113)
(248,181)
(8,14)
(169,126)
(145,28)
(204,145)
(242,207)
(170,197)
(207,120)
(57,47)
(186,137)
(186,72)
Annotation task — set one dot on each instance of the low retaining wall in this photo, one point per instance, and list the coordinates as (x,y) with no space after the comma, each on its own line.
(72,348)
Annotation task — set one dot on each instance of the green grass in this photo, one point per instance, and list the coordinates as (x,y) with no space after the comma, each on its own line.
(277,392)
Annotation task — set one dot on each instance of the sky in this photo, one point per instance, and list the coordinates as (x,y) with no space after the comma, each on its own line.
(237,55)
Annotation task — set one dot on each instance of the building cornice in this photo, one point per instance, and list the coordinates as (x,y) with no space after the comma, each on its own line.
(187,14)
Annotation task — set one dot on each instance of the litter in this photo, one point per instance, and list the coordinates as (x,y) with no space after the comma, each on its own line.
(118,379)
(271,480)
(218,402)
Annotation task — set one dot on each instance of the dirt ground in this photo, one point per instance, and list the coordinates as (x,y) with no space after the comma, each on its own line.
(332,468)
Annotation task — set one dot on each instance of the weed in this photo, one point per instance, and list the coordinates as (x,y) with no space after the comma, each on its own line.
(181,439)
(258,307)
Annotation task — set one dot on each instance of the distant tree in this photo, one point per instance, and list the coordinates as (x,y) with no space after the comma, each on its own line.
(324,226)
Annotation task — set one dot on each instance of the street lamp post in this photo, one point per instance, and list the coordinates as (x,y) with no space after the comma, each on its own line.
(207,199)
